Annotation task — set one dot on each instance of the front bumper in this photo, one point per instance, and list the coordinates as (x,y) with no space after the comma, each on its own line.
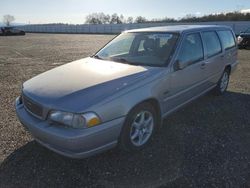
(74,143)
(244,43)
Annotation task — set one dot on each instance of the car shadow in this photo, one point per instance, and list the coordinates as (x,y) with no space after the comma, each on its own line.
(206,143)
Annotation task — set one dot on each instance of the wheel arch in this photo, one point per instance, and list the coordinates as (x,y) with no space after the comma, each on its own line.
(123,142)
(155,103)
(228,67)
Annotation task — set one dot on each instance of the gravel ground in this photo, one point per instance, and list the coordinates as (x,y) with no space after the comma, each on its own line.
(205,144)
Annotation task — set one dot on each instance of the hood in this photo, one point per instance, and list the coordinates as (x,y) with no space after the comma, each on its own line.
(77,85)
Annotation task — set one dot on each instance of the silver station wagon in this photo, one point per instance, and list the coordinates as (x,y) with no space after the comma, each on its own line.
(119,96)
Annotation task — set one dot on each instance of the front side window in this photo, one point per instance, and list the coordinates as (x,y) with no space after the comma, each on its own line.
(227,39)
(191,50)
(149,48)
(212,43)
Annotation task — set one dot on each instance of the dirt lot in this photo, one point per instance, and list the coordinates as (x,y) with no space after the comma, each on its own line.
(206,144)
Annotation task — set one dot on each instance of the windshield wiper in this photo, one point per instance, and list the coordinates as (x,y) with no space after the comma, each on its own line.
(96,56)
(123,60)
(120,60)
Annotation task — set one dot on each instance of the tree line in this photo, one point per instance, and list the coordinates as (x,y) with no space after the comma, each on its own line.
(101,18)
(231,16)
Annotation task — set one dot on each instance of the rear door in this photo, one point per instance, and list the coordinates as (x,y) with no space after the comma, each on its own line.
(229,46)
(214,58)
(187,82)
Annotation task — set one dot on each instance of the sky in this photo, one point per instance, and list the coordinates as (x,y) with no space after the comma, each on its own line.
(75,11)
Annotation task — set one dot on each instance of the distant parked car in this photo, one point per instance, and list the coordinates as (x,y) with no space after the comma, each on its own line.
(244,39)
(7,31)
(120,95)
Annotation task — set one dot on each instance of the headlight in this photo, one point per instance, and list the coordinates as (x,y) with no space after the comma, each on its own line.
(239,39)
(85,120)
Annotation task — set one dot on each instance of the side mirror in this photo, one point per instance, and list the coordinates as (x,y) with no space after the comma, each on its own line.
(180,65)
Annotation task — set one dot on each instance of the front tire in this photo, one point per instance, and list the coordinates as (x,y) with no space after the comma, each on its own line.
(222,84)
(139,127)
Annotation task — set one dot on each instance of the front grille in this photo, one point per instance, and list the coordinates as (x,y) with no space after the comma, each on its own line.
(32,107)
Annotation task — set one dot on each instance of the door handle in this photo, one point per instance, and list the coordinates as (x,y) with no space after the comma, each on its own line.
(203,65)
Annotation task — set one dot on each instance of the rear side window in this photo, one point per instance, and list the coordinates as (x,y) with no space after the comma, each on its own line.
(212,43)
(227,39)
(191,50)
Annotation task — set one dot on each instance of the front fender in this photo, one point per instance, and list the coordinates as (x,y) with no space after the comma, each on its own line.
(122,104)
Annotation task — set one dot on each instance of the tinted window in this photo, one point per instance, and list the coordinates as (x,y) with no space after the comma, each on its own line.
(227,39)
(212,43)
(248,30)
(191,50)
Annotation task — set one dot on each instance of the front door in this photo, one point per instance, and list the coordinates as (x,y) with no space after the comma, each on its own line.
(187,76)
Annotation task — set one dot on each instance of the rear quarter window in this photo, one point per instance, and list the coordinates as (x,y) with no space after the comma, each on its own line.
(227,39)
(212,43)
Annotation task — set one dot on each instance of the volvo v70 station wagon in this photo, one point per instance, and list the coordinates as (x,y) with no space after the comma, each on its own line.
(119,96)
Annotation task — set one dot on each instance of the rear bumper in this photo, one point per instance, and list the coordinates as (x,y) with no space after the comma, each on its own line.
(74,143)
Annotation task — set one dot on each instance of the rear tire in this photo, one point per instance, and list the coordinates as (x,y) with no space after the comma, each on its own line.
(139,128)
(222,84)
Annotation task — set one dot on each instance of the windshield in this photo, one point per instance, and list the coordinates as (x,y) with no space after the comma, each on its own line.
(149,49)
(248,30)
